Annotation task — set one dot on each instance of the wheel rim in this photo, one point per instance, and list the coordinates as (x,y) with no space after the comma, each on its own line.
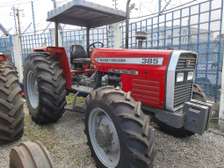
(104,138)
(32,90)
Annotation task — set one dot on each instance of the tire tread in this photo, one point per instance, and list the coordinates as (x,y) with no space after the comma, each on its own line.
(11,104)
(52,88)
(115,98)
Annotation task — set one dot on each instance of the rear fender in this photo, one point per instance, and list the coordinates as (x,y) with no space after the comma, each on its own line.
(60,53)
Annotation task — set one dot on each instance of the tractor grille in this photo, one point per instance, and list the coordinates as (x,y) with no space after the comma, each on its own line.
(186,62)
(183,90)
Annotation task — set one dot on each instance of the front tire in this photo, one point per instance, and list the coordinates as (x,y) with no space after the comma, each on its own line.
(44,86)
(118,132)
(11,104)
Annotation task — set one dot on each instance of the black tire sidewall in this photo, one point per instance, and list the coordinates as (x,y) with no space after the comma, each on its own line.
(124,153)
(31,68)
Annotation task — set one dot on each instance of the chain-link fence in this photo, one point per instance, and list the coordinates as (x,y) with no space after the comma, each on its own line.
(31,41)
(198,28)
(6,46)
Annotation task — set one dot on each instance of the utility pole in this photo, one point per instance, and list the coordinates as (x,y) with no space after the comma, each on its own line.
(115,3)
(33,16)
(159,6)
(18,20)
(54,3)
(14,16)
(56,25)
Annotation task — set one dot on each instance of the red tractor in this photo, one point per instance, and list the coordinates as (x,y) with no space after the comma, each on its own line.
(11,104)
(118,132)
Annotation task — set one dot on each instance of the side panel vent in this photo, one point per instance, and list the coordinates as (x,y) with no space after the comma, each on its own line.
(146,91)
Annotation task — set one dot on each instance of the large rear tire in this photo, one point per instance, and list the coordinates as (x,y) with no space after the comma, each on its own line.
(11,104)
(30,155)
(44,86)
(118,132)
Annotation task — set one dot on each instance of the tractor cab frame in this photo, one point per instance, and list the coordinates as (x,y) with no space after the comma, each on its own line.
(79,13)
(84,14)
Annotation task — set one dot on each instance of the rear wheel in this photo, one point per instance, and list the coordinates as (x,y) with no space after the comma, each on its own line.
(119,134)
(11,104)
(30,155)
(44,86)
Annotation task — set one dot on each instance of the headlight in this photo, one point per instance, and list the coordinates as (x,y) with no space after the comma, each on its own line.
(190,75)
(180,77)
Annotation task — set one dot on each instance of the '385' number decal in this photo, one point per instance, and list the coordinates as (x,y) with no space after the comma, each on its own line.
(151,61)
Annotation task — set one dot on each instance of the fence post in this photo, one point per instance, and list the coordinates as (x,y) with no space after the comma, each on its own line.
(52,33)
(17,50)
(221,108)
(117,35)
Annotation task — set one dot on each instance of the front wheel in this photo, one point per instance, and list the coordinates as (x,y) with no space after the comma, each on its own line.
(119,134)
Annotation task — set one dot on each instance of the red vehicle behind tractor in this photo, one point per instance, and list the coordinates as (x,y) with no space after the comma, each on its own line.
(118,132)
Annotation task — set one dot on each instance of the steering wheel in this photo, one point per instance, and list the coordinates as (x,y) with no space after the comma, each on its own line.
(93,45)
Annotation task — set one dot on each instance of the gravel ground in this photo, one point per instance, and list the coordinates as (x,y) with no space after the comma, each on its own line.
(67,145)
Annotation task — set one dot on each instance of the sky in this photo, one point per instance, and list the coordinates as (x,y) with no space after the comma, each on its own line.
(41,7)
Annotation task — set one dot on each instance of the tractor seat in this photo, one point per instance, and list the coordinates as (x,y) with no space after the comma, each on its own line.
(78,55)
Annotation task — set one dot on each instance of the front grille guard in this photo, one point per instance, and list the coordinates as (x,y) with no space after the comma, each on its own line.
(183,90)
